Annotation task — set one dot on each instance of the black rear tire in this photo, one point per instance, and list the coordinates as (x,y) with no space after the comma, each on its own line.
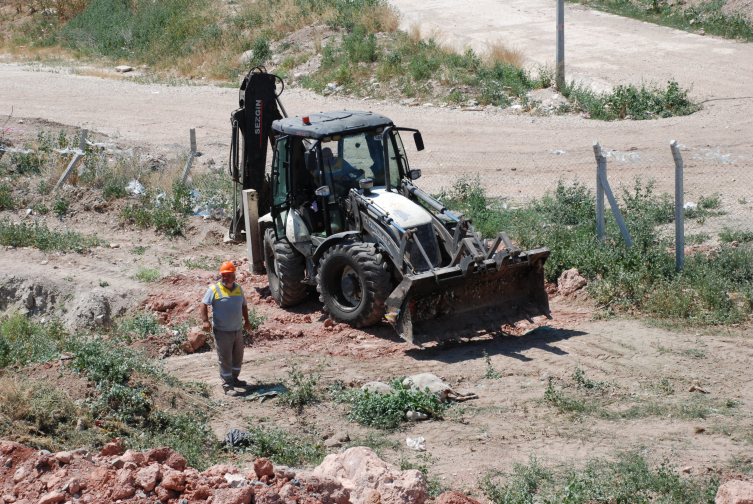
(353,283)
(286,268)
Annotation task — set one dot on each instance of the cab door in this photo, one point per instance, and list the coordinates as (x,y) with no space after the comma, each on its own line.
(281,184)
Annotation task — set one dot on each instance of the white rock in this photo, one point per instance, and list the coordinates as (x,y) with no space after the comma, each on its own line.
(235,480)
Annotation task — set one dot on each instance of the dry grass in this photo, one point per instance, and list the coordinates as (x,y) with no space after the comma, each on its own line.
(499,52)
(414,32)
(383,17)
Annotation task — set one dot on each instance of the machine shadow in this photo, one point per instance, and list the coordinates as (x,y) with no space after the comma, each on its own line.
(508,345)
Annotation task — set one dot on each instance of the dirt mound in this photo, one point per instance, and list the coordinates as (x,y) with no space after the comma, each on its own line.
(157,475)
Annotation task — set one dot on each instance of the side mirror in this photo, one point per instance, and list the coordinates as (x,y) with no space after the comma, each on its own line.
(419,140)
(322,191)
(309,158)
(414,174)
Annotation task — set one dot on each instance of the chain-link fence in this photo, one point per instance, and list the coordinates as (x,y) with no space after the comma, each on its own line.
(718,182)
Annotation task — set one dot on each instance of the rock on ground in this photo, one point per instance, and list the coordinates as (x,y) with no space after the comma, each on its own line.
(735,492)
(453,497)
(196,337)
(570,281)
(263,467)
(148,477)
(360,470)
(234,495)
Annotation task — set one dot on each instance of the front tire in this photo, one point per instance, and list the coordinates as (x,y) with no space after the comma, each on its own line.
(286,268)
(353,283)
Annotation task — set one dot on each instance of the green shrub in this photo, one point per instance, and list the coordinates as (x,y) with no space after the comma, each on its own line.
(164,216)
(147,31)
(6,197)
(630,101)
(360,46)
(301,388)
(627,477)
(147,274)
(642,278)
(728,235)
(140,324)
(387,411)
(36,234)
(282,447)
(24,342)
(114,189)
(61,206)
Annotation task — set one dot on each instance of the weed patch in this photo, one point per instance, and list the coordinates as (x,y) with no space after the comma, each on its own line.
(37,234)
(728,235)
(631,102)
(712,289)
(490,372)
(629,477)
(301,388)
(24,342)
(147,214)
(6,197)
(128,390)
(139,325)
(706,16)
(387,411)
(147,275)
(282,447)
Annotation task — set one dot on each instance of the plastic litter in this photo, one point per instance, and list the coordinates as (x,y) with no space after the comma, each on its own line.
(690,206)
(264,394)
(236,438)
(417,444)
(134,188)
(557,152)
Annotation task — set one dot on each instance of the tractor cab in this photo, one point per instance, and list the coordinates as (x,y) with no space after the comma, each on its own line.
(319,158)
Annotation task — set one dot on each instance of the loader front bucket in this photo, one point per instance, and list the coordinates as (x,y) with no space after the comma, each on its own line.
(461,300)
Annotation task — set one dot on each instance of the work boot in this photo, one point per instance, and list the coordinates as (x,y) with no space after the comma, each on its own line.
(229,391)
(239,383)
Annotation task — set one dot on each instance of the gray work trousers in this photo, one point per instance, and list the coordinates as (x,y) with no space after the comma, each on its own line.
(229,346)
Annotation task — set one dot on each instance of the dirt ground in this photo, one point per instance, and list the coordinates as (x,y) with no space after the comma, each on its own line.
(510,421)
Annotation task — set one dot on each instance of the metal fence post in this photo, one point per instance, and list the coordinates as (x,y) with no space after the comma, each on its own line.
(603,183)
(78,157)
(679,207)
(601,165)
(253,237)
(560,44)
(191,155)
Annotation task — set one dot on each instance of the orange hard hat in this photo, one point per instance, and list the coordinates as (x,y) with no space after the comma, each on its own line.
(227,267)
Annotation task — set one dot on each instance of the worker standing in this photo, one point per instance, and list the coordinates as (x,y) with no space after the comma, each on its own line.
(229,317)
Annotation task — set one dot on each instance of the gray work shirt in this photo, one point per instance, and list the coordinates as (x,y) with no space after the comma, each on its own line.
(227,313)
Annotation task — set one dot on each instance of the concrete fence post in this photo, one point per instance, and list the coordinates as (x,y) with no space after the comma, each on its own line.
(679,207)
(253,237)
(601,165)
(191,155)
(560,44)
(74,162)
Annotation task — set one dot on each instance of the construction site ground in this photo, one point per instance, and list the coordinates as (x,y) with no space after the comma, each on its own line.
(510,421)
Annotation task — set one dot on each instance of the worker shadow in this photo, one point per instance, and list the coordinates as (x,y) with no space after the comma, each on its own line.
(500,343)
